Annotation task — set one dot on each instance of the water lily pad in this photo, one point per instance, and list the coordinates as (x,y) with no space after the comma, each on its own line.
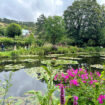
(59,62)
(103,58)
(13,67)
(86,56)
(28,55)
(70,58)
(97,66)
(29,60)
(8,61)
(54,55)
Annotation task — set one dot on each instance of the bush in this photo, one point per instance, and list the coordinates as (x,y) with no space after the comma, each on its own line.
(73,49)
(90,49)
(47,47)
(62,50)
(13,30)
(6,41)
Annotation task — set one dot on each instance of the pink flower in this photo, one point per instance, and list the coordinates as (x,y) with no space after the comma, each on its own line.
(91,82)
(84,81)
(60,85)
(73,82)
(70,73)
(75,100)
(80,69)
(84,76)
(91,73)
(100,98)
(91,78)
(95,81)
(55,78)
(62,74)
(66,77)
(98,74)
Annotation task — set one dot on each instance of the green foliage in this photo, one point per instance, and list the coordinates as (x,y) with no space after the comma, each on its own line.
(84,20)
(54,29)
(30,39)
(40,42)
(2,31)
(62,50)
(6,41)
(6,87)
(40,26)
(13,30)
(47,47)
(90,49)
(48,98)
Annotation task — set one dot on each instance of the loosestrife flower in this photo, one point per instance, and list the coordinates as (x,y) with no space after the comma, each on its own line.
(62,95)
(75,100)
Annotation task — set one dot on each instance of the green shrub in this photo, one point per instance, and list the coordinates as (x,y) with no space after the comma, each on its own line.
(90,49)
(62,50)
(47,47)
(73,49)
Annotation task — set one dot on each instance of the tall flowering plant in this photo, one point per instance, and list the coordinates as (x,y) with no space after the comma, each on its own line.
(87,86)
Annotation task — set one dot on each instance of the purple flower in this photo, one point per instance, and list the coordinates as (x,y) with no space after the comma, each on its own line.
(62,95)
(75,100)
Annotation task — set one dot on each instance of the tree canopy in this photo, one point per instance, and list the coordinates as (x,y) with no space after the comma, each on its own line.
(51,29)
(55,29)
(14,30)
(84,19)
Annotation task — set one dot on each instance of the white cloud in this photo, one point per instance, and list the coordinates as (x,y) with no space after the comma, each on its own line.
(59,2)
(101,1)
(29,10)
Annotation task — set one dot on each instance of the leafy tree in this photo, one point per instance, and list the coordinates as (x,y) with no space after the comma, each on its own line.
(40,29)
(84,19)
(54,29)
(30,39)
(13,30)
(2,31)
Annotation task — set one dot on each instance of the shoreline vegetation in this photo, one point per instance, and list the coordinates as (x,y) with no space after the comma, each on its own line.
(49,50)
(43,47)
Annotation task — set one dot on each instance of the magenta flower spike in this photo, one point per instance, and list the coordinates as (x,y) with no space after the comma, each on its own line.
(75,100)
(62,95)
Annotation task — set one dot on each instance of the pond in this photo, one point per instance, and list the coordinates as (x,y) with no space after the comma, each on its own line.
(23,81)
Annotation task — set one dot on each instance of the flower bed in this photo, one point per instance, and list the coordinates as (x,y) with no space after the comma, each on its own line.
(85,88)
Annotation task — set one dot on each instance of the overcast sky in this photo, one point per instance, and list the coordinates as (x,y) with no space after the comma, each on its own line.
(30,10)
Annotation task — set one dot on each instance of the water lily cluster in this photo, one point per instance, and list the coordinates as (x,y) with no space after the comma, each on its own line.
(80,82)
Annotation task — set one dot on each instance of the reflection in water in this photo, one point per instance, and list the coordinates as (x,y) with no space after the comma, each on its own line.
(22,83)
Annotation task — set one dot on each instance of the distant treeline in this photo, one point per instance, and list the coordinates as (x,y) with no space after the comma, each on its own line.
(82,24)
(8,21)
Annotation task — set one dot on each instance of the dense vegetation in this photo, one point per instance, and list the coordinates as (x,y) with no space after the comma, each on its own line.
(82,24)
(85,21)
(81,30)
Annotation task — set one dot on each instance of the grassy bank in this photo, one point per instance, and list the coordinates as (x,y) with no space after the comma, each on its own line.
(50,49)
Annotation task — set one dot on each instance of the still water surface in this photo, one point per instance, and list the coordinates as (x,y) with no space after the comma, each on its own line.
(22,82)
